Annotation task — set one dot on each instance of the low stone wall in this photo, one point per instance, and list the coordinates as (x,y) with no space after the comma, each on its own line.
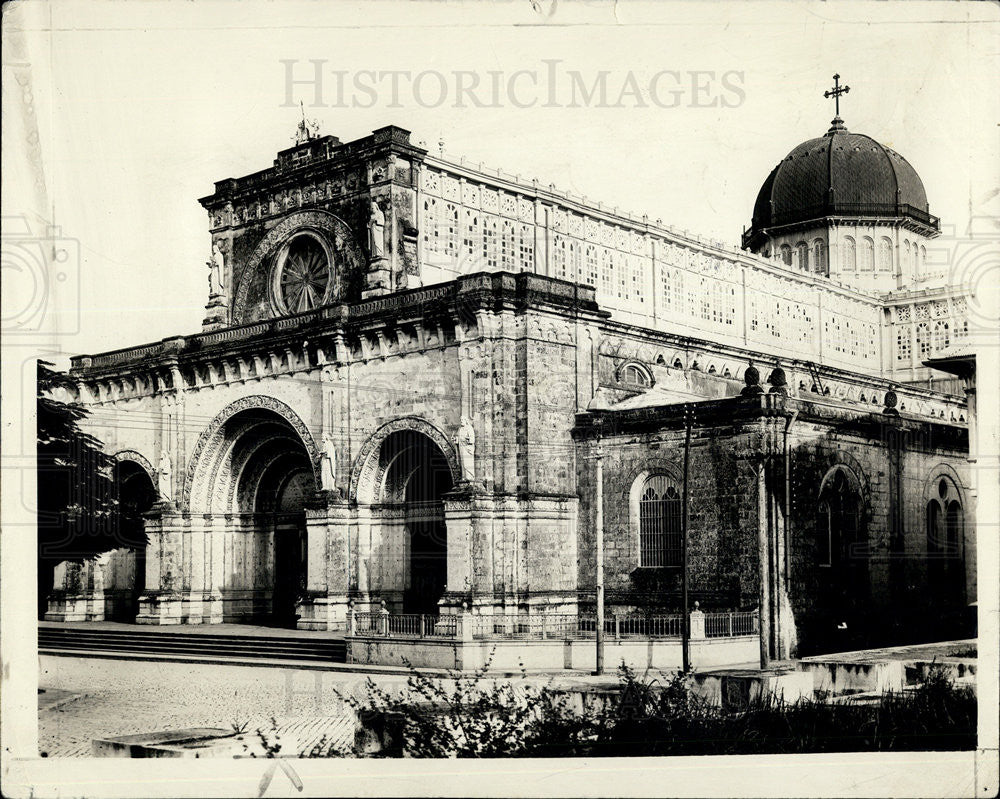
(553,654)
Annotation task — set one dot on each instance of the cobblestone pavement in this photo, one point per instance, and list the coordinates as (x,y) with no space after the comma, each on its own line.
(120,697)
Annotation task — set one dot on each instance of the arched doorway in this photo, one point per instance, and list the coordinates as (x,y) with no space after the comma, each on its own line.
(136,494)
(253,479)
(414,476)
(842,560)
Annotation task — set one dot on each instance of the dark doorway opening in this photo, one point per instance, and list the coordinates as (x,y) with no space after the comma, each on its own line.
(416,478)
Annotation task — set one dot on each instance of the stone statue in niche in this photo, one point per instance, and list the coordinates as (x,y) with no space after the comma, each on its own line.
(164,472)
(466,443)
(376,232)
(328,465)
(216,272)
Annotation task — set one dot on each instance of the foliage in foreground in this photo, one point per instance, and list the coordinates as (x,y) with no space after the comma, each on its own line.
(476,716)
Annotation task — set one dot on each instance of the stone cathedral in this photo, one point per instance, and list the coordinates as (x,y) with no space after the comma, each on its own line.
(409,366)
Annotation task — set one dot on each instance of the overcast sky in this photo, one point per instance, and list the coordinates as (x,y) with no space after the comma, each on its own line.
(140,107)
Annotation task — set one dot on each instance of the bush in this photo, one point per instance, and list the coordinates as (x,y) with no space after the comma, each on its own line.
(475,716)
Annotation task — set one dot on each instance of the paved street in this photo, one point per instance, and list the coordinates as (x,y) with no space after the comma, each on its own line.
(119,697)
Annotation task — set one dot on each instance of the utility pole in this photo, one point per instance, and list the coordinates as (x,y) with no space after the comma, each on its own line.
(685,620)
(599,525)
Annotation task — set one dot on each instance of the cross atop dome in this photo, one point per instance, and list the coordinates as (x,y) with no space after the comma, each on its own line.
(837,125)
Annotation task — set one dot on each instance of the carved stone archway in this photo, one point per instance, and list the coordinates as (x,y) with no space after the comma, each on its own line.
(139,459)
(213,439)
(365,475)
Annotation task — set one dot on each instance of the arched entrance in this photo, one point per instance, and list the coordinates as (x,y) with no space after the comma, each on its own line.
(254,477)
(136,494)
(842,562)
(413,476)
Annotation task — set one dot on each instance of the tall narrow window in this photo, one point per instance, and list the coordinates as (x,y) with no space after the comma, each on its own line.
(923,341)
(867,255)
(849,255)
(884,255)
(903,348)
(819,262)
(659,523)
(803,252)
(941,339)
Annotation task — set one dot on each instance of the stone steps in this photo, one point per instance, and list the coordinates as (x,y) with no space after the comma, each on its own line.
(237,647)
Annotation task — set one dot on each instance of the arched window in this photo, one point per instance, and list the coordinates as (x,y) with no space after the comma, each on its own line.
(786,254)
(507,245)
(903,344)
(923,341)
(867,255)
(451,230)
(849,255)
(659,523)
(559,257)
(839,531)
(921,257)
(818,260)
(884,255)
(945,543)
(941,339)
(803,252)
(634,374)
(471,240)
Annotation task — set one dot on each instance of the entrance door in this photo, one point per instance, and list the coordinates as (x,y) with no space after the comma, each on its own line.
(290,548)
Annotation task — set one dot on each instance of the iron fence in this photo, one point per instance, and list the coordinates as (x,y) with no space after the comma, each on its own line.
(553,626)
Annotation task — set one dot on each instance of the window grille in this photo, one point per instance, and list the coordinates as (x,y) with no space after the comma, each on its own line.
(659,524)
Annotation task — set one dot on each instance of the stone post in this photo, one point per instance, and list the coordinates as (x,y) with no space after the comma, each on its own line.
(383,620)
(465,628)
(697,622)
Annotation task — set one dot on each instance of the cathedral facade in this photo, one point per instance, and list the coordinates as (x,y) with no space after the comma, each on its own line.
(412,369)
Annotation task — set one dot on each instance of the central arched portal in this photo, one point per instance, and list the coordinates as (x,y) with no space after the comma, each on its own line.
(414,477)
(257,477)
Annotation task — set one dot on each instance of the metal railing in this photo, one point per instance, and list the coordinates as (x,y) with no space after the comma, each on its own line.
(729,625)
(552,626)
(408,625)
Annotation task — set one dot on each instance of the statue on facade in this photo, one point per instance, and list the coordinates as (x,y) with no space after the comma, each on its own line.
(376,232)
(466,442)
(165,477)
(216,266)
(328,465)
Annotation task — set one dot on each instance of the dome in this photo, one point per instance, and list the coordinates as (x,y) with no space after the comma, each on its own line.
(840,174)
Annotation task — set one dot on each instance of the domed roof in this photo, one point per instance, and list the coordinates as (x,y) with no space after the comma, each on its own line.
(840,174)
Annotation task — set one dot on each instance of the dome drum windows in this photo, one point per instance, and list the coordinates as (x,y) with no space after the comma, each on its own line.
(867,255)
(849,255)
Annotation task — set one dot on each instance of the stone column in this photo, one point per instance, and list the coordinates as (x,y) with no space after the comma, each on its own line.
(77,592)
(180,570)
(328,528)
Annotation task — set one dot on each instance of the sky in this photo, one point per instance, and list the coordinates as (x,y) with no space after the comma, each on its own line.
(134,110)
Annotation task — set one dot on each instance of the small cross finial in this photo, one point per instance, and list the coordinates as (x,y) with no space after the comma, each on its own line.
(836,91)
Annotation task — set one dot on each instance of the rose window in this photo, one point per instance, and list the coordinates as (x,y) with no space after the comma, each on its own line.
(303,275)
